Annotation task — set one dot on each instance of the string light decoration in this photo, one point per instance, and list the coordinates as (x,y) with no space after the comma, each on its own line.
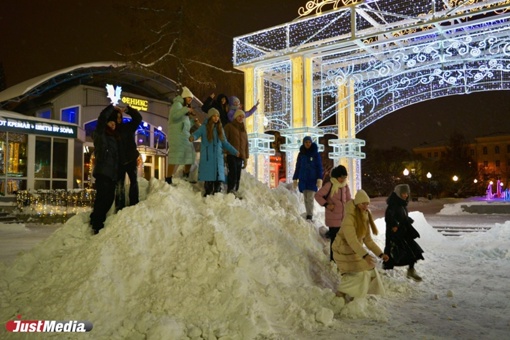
(346,148)
(54,203)
(370,58)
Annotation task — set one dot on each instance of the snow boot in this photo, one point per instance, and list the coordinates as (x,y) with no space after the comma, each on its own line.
(411,274)
(168,180)
(309,217)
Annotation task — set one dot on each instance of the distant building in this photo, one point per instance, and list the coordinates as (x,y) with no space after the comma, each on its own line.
(491,154)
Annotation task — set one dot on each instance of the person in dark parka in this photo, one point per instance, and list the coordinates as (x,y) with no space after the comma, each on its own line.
(128,154)
(401,246)
(106,166)
(308,173)
(221,104)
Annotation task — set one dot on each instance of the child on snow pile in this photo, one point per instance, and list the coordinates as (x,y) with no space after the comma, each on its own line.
(211,168)
(308,173)
(333,196)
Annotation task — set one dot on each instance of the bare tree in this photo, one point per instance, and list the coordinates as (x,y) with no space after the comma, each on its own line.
(184,42)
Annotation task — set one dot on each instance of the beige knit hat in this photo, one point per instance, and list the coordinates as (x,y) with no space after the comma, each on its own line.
(361,197)
(212,112)
(238,113)
(186,93)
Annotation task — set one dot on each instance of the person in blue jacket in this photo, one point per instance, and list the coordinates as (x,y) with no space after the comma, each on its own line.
(211,167)
(308,173)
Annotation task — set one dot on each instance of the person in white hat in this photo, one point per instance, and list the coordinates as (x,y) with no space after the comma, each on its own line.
(180,120)
(356,262)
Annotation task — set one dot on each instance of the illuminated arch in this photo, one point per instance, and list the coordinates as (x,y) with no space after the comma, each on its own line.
(353,62)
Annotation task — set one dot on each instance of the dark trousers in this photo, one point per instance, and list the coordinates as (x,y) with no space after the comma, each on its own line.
(131,169)
(332,236)
(105,195)
(235,165)
(212,187)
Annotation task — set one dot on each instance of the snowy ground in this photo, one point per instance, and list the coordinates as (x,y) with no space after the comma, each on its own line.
(180,266)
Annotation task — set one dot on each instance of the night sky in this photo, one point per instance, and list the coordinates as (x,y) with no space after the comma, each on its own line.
(37,37)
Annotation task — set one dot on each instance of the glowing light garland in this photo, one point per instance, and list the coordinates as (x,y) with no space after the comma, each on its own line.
(437,57)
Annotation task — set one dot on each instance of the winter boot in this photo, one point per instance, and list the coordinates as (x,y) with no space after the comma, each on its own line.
(185,176)
(168,180)
(309,217)
(411,274)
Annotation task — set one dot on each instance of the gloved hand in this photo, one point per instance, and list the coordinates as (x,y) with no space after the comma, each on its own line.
(244,164)
(295,184)
(319,183)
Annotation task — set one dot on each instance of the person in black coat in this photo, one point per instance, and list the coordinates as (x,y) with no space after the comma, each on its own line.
(106,151)
(128,157)
(221,104)
(401,246)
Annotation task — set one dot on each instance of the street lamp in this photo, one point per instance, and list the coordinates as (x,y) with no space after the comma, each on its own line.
(455,179)
(406,172)
(429,176)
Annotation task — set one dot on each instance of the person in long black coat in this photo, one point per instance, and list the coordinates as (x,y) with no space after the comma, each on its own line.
(401,246)
(106,152)
(128,157)
(221,104)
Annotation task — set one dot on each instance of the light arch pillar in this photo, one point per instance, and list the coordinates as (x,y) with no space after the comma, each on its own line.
(346,120)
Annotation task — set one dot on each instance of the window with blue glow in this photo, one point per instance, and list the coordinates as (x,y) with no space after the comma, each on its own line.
(71,114)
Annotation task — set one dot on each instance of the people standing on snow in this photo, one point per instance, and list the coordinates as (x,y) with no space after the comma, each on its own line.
(401,246)
(238,138)
(211,167)
(128,157)
(180,149)
(235,104)
(221,104)
(333,196)
(106,168)
(355,262)
(308,173)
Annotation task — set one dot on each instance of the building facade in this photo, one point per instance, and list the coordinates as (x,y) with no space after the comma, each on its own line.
(46,125)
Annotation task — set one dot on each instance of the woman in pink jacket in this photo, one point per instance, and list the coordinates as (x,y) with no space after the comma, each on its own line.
(333,196)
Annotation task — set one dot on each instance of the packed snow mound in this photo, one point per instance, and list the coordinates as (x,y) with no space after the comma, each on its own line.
(180,265)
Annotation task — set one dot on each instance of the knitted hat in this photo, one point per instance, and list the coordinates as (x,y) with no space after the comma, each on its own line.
(361,197)
(186,93)
(402,189)
(307,138)
(212,112)
(238,113)
(339,171)
(234,102)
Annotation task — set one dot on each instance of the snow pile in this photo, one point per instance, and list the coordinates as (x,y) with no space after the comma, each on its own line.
(179,265)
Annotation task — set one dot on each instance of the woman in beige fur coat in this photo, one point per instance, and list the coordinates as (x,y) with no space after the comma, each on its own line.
(354,261)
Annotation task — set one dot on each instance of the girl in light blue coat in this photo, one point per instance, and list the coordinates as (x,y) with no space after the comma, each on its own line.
(211,168)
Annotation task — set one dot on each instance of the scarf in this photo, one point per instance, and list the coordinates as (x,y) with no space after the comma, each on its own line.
(336,185)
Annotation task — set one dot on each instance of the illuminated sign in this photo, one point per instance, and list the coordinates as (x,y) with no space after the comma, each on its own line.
(38,127)
(114,94)
(138,104)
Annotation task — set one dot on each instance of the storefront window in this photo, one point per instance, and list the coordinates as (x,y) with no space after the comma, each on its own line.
(143,134)
(17,149)
(42,157)
(159,139)
(59,158)
(3,136)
